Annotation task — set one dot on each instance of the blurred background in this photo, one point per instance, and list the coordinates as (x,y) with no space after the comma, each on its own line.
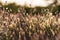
(29,19)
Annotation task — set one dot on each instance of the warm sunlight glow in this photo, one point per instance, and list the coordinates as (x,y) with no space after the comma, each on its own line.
(33,3)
